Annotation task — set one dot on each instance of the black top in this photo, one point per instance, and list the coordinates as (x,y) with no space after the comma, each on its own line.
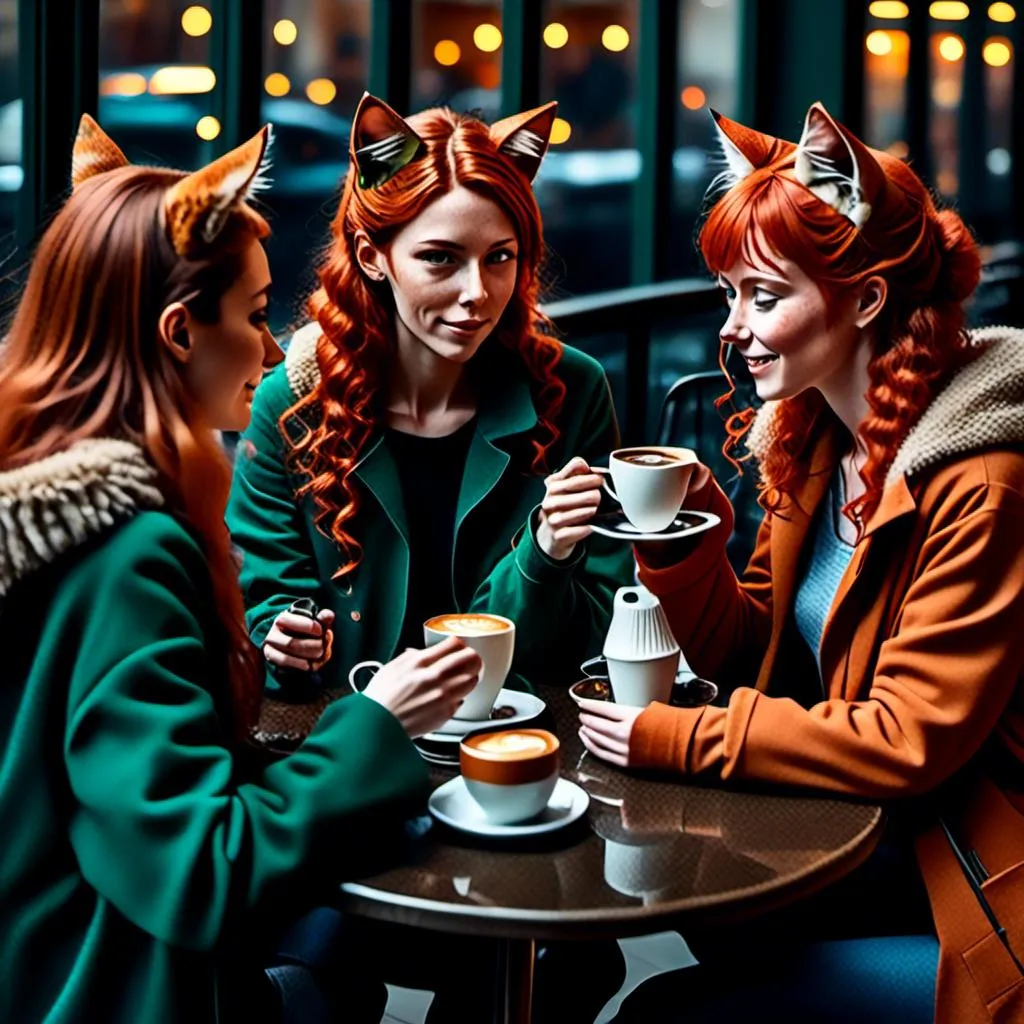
(430,471)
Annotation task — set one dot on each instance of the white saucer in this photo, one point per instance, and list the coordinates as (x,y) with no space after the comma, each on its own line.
(526,706)
(686,524)
(452,804)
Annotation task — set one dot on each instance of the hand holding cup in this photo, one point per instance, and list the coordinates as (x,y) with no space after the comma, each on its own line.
(571,498)
(423,689)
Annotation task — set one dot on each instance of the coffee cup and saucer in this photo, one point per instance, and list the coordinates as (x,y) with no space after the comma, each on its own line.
(489,702)
(509,786)
(650,484)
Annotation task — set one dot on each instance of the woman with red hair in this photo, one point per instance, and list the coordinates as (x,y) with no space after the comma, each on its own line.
(147,862)
(873,646)
(425,447)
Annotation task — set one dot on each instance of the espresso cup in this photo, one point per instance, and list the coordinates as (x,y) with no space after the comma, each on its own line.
(493,637)
(650,483)
(510,774)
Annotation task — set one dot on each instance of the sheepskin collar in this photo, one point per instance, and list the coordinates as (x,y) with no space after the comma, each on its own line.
(981,407)
(57,503)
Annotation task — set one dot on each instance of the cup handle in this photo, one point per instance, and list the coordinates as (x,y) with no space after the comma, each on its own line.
(607,485)
(593,663)
(376,665)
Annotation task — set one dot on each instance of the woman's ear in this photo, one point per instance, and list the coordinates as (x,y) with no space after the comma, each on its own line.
(370,259)
(172,329)
(873,293)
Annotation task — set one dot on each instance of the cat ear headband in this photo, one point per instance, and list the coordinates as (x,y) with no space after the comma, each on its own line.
(828,160)
(382,142)
(198,206)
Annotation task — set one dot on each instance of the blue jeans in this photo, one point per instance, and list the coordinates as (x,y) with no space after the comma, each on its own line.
(887,980)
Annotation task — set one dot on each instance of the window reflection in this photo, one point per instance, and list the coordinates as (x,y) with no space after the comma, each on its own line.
(585,186)
(315,67)
(157,87)
(10,128)
(707,70)
(456,58)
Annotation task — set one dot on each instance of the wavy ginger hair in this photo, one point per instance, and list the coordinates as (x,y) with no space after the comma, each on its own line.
(83,360)
(931,264)
(357,316)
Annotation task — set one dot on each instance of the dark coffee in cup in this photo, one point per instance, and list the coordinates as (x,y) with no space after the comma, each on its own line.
(651,458)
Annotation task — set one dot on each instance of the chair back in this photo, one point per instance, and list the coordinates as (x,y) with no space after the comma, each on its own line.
(689,419)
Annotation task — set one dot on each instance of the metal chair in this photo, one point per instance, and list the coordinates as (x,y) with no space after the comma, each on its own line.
(689,419)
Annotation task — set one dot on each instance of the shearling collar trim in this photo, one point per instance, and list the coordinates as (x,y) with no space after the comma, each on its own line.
(981,407)
(57,503)
(300,365)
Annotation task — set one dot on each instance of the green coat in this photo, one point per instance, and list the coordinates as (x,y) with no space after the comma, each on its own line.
(561,609)
(136,863)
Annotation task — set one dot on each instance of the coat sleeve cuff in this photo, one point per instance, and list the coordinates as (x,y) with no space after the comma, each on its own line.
(534,564)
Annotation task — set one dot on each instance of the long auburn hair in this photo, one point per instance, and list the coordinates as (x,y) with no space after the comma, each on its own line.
(83,360)
(931,264)
(357,317)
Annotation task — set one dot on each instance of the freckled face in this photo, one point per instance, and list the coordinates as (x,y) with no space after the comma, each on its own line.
(453,271)
(790,336)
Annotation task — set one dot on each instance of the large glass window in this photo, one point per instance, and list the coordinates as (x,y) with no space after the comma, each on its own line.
(707,69)
(315,64)
(886,65)
(10,130)
(999,54)
(156,85)
(456,58)
(585,187)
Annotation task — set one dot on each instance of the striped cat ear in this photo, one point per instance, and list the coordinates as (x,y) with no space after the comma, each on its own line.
(524,137)
(381,143)
(197,208)
(95,152)
(838,168)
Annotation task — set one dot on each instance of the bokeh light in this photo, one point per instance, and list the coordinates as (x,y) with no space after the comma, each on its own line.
(286,32)
(561,130)
(321,91)
(615,38)
(487,37)
(556,35)
(879,43)
(693,97)
(208,127)
(277,84)
(196,20)
(447,52)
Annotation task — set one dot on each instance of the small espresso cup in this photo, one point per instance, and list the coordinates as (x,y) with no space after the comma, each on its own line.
(510,774)
(493,637)
(650,483)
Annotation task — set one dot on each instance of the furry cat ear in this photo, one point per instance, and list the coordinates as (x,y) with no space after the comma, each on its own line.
(524,137)
(381,143)
(197,208)
(838,168)
(94,152)
(743,151)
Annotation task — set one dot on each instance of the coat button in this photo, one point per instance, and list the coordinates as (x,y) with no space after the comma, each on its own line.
(356,616)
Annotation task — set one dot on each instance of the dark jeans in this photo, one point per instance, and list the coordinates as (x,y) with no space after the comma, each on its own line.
(350,958)
(862,950)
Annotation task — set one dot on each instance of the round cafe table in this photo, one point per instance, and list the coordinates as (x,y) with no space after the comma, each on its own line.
(648,852)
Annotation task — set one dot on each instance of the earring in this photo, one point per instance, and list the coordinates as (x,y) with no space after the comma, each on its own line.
(375,275)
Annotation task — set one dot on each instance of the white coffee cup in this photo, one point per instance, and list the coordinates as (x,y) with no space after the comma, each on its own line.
(650,483)
(493,637)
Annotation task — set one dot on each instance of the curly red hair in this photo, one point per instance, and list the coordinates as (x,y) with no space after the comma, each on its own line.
(358,323)
(931,264)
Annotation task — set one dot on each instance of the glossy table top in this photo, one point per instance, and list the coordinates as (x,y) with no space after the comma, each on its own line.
(648,848)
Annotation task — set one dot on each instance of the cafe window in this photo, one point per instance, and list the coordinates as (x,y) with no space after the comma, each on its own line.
(11,175)
(707,77)
(315,69)
(886,67)
(585,187)
(456,58)
(999,56)
(156,87)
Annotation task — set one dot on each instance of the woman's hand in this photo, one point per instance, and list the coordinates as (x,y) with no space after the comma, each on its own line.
(571,499)
(299,642)
(423,689)
(605,728)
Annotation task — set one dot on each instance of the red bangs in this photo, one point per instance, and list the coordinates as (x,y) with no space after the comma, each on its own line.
(769,215)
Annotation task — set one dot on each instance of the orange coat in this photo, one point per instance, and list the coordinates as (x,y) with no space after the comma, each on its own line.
(922,659)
